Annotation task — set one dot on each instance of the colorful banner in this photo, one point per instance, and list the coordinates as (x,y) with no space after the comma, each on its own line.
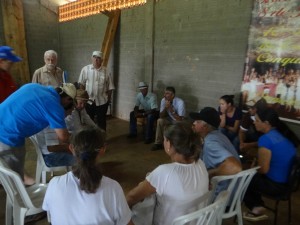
(272,67)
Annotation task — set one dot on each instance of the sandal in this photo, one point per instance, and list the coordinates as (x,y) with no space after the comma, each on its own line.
(250,216)
(34,218)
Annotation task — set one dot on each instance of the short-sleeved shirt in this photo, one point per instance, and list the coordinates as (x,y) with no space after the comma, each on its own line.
(148,102)
(283,153)
(178,105)
(29,110)
(216,149)
(7,85)
(237,115)
(97,83)
(69,205)
(44,77)
(176,182)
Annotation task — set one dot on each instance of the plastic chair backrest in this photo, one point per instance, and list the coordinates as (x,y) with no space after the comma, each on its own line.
(41,167)
(209,215)
(238,184)
(14,186)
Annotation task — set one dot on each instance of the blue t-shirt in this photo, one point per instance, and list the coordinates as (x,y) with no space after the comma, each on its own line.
(283,153)
(28,111)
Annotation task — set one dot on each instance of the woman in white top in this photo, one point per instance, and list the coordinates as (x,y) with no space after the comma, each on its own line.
(178,184)
(84,196)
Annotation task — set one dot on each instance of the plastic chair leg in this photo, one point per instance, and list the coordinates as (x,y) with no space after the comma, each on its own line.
(44,176)
(9,213)
(38,173)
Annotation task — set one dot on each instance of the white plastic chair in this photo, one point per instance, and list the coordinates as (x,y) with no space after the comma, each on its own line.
(41,167)
(209,215)
(237,187)
(20,201)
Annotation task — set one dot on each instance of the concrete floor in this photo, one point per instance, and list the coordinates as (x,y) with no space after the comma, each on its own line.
(128,161)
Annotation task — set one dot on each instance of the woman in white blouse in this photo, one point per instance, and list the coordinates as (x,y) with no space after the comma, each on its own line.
(175,185)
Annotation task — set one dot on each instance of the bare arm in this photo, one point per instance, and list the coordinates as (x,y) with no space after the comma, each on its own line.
(235,127)
(229,166)
(63,135)
(109,93)
(143,190)
(130,223)
(223,120)
(264,158)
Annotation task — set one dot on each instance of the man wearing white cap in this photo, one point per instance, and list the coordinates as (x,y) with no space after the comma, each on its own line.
(148,103)
(26,112)
(49,74)
(7,59)
(98,83)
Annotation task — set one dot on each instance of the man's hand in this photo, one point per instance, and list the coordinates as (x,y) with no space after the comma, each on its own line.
(168,104)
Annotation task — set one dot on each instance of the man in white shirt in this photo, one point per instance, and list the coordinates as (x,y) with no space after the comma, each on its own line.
(98,83)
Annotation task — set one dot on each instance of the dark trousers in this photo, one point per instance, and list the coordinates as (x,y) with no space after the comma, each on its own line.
(261,184)
(151,118)
(99,111)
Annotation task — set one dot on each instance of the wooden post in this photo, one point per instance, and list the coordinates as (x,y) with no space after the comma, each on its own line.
(110,32)
(14,33)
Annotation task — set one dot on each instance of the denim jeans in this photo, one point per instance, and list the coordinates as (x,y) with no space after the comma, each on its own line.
(151,118)
(59,159)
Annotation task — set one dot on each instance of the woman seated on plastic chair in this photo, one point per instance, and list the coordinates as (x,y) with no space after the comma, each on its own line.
(276,152)
(183,180)
(84,195)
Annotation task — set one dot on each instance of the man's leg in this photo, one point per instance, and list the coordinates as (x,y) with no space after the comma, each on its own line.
(91,110)
(149,129)
(101,115)
(14,157)
(132,125)
(159,137)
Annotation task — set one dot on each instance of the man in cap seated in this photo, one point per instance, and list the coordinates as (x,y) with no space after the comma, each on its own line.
(219,155)
(145,107)
(248,135)
(26,112)
(79,119)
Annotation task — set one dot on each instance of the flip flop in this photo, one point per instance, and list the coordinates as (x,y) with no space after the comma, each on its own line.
(250,216)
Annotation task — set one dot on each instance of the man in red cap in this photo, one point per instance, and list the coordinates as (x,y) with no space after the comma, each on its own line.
(7,59)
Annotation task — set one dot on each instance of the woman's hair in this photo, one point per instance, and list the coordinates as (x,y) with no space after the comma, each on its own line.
(183,139)
(272,117)
(87,144)
(228,99)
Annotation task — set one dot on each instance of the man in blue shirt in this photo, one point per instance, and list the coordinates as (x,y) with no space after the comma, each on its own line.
(172,110)
(28,111)
(219,155)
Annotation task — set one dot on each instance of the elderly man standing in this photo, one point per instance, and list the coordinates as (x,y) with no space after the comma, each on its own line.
(148,102)
(7,84)
(172,110)
(219,155)
(95,79)
(26,112)
(49,74)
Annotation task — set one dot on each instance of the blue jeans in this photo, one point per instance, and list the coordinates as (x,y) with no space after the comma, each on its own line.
(151,118)
(59,159)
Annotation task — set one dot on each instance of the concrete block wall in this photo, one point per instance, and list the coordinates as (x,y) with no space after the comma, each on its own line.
(41,27)
(78,39)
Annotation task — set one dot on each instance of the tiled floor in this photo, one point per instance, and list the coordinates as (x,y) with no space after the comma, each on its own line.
(127,161)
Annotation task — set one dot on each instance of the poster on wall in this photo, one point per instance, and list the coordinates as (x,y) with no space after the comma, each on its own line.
(272,66)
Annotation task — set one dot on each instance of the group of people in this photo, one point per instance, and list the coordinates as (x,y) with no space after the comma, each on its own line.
(198,151)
